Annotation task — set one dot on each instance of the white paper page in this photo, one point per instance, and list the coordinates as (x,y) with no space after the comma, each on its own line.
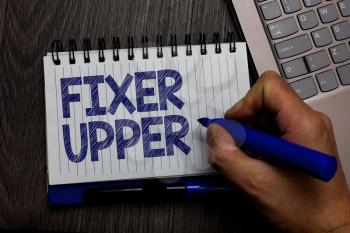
(102,125)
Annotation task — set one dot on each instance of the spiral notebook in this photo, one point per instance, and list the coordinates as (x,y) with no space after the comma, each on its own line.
(123,114)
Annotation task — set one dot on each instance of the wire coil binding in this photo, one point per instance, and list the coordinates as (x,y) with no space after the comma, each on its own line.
(203,45)
(173,45)
(144,47)
(101,48)
(216,41)
(57,47)
(231,41)
(72,47)
(116,47)
(159,46)
(188,45)
(86,50)
(131,48)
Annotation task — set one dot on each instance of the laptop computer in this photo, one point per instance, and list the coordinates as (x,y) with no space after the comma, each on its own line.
(307,42)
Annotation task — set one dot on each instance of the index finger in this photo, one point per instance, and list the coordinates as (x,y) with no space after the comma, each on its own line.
(272,94)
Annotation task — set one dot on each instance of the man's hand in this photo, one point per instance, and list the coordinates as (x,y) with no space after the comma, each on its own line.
(293,201)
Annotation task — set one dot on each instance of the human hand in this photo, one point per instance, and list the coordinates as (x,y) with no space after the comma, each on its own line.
(293,201)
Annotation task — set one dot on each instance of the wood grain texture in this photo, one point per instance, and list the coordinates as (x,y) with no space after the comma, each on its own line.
(29,28)
(3,6)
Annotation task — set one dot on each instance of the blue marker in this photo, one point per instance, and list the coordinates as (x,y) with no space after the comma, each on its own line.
(308,161)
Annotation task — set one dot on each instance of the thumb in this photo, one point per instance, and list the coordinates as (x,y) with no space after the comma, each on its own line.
(232,162)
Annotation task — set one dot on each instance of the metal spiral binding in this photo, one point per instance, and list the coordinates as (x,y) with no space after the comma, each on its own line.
(144,47)
(173,45)
(116,47)
(86,50)
(159,46)
(188,44)
(216,41)
(131,48)
(101,48)
(57,47)
(203,44)
(72,47)
(231,41)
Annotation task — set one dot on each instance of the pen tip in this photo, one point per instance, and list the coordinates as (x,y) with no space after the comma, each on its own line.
(204,121)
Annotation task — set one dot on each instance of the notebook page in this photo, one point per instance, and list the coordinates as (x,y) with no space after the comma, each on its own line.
(133,119)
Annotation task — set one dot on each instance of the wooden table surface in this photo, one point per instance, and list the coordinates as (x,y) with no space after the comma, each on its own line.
(27,28)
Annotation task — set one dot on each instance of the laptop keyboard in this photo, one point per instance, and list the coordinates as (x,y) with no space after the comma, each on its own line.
(310,41)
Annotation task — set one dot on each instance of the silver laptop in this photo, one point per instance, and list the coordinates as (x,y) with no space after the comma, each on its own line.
(307,42)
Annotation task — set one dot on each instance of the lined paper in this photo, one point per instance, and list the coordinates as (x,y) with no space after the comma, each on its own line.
(211,84)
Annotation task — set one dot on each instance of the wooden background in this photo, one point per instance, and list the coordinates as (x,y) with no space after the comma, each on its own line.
(27,28)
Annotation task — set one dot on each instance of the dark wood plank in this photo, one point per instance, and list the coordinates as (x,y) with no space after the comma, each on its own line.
(29,28)
(3,6)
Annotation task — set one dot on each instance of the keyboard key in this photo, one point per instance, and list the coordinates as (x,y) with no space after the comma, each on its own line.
(322,37)
(294,68)
(327,80)
(328,13)
(308,20)
(341,30)
(271,10)
(339,53)
(283,28)
(291,6)
(317,60)
(344,7)
(344,74)
(305,88)
(309,3)
(292,47)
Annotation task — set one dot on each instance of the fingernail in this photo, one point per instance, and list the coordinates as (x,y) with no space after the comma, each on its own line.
(218,138)
(234,109)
